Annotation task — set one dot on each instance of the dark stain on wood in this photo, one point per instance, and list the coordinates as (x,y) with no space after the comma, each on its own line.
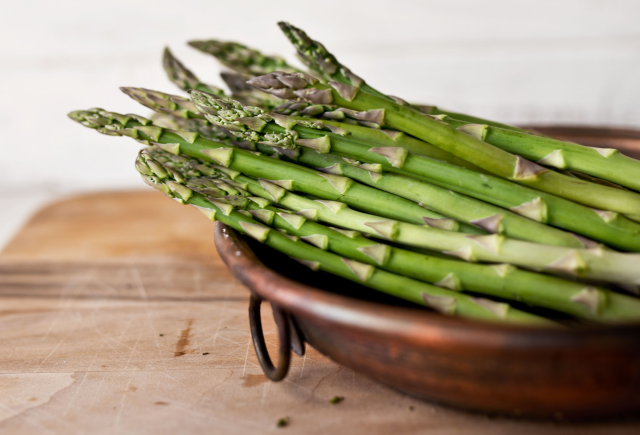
(183,341)
(253,380)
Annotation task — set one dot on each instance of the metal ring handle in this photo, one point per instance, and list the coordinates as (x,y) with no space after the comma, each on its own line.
(284,334)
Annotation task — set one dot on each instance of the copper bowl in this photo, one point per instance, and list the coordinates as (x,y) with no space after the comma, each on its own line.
(575,374)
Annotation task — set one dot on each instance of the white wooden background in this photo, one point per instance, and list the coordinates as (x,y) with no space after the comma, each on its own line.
(543,61)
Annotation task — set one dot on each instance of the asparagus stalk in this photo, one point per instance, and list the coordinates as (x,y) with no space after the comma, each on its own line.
(607,227)
(369,132)
(317,58)
(475,213)
(293,176)
(461,208)
(594,263)
(182,77)
(442,135)
(186,80)
(487,217)
(590,263)
(160,102)
(502,281)
(606,163)
(184,108)
(241,58)
(442,300)
(618,232)
(180,113)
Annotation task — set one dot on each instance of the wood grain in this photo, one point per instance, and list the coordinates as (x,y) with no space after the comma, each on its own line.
(117,316)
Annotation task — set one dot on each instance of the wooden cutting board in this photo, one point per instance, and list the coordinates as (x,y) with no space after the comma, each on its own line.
(117,316)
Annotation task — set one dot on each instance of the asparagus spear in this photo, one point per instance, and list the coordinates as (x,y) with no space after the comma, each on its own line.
(369,132)
(497,280)
(338,117)
(489,218)
(200,126)
(293,176)
(183,77)
(444,201)
(332,115)
(179,113)
(241,58)
(606,163)
(442,135)
(317,58)
(591,263)
(185,80)
(249,96)
(160,102)
(594,263)
(440,299)
(183,108)
(606,227)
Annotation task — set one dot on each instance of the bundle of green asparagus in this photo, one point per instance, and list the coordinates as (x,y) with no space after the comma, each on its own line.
(462,215)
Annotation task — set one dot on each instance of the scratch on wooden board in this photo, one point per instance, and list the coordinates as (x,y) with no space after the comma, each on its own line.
(204,397)
(183,341)
(143,293)
(313,390)
(50,353)
(69,289)
(96,393)
(246,357)
(264,394)
(136,274)
(127,389)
